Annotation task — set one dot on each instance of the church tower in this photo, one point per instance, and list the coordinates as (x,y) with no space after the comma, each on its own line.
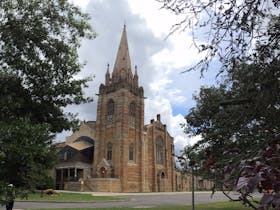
(117,152)
(120,123)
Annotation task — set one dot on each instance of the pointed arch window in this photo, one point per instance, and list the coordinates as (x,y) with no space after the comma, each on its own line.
(65,156)
(160,151)
(131,152)
(110,111)
(132,113)
(109,151)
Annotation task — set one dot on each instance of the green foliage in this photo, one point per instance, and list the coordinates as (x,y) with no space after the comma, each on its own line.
(47,182)
(239,124)
(39,64)
(28,152)
(238,119)
(38,57)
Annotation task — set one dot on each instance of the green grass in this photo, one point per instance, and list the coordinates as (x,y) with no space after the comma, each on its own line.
(70,197)
(209,206)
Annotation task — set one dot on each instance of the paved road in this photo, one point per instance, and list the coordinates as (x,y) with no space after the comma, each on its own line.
(134,200)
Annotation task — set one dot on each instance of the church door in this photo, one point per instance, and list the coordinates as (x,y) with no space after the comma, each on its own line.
(161,182)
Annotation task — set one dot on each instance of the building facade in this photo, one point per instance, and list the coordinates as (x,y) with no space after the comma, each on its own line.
(117,152)
(184,182)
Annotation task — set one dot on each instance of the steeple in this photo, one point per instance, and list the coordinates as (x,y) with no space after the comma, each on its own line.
(122,67)
(122,77)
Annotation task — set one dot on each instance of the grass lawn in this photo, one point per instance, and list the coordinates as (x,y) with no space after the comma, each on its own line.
(209,206)
(70,197)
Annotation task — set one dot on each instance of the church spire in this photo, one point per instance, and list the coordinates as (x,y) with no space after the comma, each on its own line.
(122,77)
(122,67)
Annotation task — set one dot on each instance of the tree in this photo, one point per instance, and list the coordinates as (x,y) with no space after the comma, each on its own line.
(238,119)
(38,49)
(239,124)
(39,40)
(28,152)
(223,29)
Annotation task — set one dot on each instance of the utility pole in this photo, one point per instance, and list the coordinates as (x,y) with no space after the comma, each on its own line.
(192,188)
(187,163)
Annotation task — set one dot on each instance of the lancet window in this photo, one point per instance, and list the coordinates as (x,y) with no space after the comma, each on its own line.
(160,151)
(110,111)
(131,152)
(132,113)
(109,151)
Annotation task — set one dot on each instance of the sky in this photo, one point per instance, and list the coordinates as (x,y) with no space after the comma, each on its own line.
(160,60)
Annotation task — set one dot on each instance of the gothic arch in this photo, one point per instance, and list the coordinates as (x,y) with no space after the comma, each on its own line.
(109,151)
(131,152)
(161,174)
(160,150)
(161,179)
(110,111)
(88,151)
(132,114)
(85,138)
(104,169)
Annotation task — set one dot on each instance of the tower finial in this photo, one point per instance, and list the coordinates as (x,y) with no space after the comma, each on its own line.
(135,78)
(107,76)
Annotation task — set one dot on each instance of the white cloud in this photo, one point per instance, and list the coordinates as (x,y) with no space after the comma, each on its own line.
(160,84)
(81,3)
(180,53)
(158,20)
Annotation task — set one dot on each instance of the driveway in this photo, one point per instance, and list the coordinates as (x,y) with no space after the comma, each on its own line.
(134,200)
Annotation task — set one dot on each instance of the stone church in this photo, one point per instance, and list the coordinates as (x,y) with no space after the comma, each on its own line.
(117,152)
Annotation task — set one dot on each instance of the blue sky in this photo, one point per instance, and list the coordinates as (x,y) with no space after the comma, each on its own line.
(160,61)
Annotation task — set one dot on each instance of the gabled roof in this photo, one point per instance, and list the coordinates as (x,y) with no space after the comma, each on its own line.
(80,145)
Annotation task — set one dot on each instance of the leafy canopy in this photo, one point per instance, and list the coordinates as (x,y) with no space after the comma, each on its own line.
(239,118)
(39,64)
(28,152)
(240,128)
(38,52)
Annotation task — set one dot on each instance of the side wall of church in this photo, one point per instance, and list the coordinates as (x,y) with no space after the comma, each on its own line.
(160,174)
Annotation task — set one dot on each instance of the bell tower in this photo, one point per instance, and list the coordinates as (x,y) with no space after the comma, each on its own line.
(120,123)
